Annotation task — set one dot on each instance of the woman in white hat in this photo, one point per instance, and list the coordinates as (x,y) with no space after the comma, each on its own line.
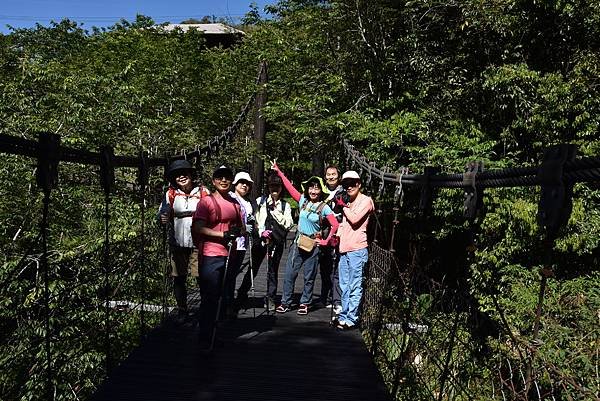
(353,247)
(242,185)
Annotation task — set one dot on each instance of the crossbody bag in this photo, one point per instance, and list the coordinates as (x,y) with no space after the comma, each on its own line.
(305,242)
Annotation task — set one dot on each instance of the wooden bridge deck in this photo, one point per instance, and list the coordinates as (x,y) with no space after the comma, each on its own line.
(267,357)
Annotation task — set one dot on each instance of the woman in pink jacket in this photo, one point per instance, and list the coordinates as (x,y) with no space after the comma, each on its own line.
(353,247)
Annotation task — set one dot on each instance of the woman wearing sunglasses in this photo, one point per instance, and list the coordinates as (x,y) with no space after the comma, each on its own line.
(353,247)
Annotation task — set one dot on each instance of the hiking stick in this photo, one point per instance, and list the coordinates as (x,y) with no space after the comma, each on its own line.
(167,278)
(333,289)
(269,269)
(252,276)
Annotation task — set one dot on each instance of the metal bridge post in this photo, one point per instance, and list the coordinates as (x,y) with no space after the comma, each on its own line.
(47,178)
(556,200)
(427,192)
(554,210)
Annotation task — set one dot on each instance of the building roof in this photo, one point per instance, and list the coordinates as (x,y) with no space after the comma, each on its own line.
(207,29)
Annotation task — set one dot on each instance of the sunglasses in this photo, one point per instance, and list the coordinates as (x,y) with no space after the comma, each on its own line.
(244,182)
(349,184)
(223,178)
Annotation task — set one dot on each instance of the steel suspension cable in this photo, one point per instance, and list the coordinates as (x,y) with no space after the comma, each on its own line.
(580,170)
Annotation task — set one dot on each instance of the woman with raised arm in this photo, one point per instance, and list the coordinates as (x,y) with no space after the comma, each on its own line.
(304,253)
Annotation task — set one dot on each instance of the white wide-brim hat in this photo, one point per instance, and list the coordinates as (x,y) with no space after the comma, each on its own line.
(242,175)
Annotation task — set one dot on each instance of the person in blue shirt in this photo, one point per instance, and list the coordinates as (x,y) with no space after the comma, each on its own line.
(304,252)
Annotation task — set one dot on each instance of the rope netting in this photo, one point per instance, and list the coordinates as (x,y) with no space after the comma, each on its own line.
(431,335)
(429,342)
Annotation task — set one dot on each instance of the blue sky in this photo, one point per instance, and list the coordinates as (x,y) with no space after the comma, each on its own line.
(25,13)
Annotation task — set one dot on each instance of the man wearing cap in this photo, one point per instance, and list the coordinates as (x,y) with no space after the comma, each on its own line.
(218,221)
(175,213)
(353,246)
(330,286)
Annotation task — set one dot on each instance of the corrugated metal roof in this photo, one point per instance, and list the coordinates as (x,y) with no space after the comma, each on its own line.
(208,29)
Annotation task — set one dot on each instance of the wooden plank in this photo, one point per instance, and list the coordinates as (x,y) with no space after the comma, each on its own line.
(267,357)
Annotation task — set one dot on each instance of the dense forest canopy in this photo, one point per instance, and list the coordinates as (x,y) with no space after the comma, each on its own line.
(415,83)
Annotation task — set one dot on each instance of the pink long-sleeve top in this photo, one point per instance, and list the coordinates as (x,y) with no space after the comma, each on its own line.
(353,229)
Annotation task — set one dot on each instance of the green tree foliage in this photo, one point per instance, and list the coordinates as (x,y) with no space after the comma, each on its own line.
(411,83)
(136,88)
(429,83)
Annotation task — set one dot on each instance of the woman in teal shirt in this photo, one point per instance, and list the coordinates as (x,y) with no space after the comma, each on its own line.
(312,211)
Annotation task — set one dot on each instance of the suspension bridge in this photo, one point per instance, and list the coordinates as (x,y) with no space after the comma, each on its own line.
(73,335)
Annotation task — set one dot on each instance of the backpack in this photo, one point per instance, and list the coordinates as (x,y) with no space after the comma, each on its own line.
(278,232)
(318,211)
(172,193)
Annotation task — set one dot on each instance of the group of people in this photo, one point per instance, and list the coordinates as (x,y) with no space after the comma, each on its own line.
(213,235)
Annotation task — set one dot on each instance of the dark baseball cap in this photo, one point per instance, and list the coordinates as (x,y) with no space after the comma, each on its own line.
(223,171)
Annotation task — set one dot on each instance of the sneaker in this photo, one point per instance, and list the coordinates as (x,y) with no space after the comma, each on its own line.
(337,309)
(329,306)
(303,309)
(344,326)
(282,308)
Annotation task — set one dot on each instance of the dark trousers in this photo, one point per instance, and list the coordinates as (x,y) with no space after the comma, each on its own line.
(211,282)
(330,282)
(259,251)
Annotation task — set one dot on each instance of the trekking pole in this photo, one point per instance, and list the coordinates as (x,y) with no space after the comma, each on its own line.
(333,287)
(332,290)
(252,277)
(166,281)
(220,303)
(269,269)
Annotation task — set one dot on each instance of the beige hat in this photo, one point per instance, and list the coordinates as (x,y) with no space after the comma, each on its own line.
(242,175)
(350,175)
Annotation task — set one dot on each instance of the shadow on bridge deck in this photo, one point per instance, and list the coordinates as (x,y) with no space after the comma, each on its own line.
(267,357)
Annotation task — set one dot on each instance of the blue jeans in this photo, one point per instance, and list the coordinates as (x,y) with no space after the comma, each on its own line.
(351,271)
(211,279)
(297,259)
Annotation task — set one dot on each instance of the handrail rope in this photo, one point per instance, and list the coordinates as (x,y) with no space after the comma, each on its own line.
(25,147)
(580,170)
